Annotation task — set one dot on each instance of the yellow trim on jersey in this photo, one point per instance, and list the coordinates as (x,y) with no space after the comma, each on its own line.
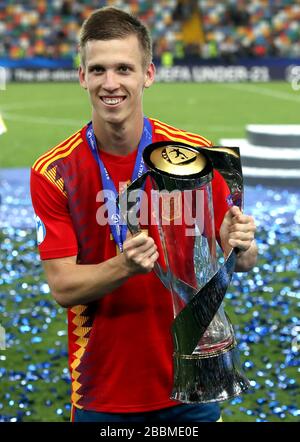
(79,320)
(62,155)
(61,146)
(51,176)
(171,138)
(174,130)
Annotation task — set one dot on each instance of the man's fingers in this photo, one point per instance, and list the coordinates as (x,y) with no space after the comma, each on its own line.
(137,240)
(235,211)
(140,253)
(132,250)
(241,245)
(231,214)
(150,261)
(243,219)
(242,227)
(242,236)
(144,263)
(237,230)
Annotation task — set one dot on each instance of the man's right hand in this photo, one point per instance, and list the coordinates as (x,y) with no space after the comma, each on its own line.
(73,284)
(140,253)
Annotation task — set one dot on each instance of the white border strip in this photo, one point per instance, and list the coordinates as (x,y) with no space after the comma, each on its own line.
(271,173)
(274,129)
(268,153)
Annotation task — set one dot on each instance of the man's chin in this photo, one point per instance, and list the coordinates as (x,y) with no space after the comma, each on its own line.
(114,120)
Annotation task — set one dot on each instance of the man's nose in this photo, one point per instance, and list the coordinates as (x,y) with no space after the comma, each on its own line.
(110,81)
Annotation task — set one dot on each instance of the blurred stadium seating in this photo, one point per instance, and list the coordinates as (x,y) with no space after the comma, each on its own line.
(215,29)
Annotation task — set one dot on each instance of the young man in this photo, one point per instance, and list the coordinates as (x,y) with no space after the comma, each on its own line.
(119,313)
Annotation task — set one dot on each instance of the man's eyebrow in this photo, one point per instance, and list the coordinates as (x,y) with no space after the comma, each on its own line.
(95,65)
(117,65)
(128,65)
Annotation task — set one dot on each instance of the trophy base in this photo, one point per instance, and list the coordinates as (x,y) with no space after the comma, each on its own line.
(212,378)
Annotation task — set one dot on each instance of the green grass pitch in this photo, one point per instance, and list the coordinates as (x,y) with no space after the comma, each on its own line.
(39,116)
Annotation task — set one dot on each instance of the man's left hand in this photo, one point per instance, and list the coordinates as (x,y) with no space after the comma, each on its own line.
(237,231)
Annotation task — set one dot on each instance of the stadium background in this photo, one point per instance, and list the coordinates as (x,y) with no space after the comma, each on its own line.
(38,40)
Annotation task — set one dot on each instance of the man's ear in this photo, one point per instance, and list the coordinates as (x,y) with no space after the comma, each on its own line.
(149,75)
(81,74)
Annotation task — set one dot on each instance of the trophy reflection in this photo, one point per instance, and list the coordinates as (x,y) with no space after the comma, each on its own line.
(192,266)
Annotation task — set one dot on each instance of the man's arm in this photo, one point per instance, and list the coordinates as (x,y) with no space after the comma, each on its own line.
(237,230)
(72,284)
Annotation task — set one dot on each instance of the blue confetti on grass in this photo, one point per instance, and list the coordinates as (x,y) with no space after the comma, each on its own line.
(263,307)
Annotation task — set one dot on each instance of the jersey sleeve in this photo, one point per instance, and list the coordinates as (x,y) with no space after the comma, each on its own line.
(55,232)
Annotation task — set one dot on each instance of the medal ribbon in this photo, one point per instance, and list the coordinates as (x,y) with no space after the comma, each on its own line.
(118,229)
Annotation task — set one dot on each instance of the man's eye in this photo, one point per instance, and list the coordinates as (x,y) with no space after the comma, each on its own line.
(124,69)
(97,69)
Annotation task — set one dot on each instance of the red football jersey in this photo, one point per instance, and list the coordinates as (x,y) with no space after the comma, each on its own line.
(120,347)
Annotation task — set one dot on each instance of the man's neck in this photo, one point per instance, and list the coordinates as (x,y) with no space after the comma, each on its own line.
(121,139)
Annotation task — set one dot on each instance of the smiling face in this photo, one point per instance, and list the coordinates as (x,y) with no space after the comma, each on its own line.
(115,77)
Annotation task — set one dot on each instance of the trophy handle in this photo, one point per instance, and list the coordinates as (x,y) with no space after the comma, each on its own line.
(127,206)
(226,160)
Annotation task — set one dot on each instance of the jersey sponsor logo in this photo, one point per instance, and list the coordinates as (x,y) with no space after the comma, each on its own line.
(40,230)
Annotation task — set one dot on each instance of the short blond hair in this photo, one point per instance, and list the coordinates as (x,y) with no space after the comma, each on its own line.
(111,23)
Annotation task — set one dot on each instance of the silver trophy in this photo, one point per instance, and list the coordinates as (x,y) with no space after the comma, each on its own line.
(191,263)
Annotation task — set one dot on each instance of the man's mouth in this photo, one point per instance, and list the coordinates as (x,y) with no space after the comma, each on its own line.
(112,101)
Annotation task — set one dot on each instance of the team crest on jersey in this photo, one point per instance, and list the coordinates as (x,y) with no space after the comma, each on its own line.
(40,230)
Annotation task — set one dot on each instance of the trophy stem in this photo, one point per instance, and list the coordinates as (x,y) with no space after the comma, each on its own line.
(212,378)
